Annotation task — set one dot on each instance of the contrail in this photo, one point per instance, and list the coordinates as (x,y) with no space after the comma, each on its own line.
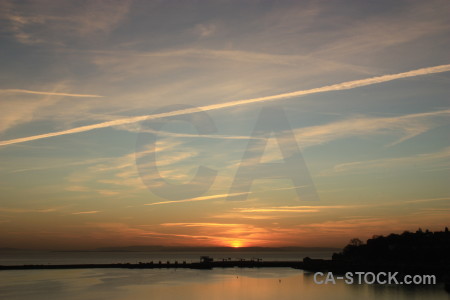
(335,87)
(219,196)
(202,198)
(48,93)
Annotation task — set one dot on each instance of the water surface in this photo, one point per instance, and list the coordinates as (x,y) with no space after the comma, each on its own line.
(264,283)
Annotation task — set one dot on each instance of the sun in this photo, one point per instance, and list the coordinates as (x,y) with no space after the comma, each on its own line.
(236,244)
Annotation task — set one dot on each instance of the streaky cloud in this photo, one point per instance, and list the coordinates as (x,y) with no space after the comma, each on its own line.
(86,212)
(408,126)
(202,198)
(335,87)
(19,91)
(217,196)
(359,166)
(199,224)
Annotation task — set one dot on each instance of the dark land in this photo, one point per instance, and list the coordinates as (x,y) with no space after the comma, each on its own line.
(418,253)
(422,250)
(206,263)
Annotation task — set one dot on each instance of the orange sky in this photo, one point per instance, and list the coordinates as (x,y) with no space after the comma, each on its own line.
(222,124)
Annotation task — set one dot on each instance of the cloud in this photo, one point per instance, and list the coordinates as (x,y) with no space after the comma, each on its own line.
(205,30)
(283,209)
(77,188)
(301,209)
(202,198)
(218,196)
(61,165)
(376,33)
(428,200)
(200,224)
(20,106)
(14,91)
(369,207)
(167,159)
(252,57)
(86,212)
(387,163)
(223,233)
(188,135)
(279,212)
(407,126)
(58,23)
(21,210)
(198,234)
(335,87)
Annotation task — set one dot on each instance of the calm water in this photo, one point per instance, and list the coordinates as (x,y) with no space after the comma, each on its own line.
(264,283)
(192,284)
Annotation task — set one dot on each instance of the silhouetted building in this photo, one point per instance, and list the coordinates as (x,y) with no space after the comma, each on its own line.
(206,259)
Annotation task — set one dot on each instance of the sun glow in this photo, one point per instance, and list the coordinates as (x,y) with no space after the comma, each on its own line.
(236,244)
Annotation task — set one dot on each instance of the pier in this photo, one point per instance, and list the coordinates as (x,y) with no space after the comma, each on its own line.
(205,263)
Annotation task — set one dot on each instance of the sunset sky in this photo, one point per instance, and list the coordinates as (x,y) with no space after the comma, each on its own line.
(90,91)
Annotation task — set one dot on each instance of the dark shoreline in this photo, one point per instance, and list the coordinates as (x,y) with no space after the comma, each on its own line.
(166,265)
(308,264)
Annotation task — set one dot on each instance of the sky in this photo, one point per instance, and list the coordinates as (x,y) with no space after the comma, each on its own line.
(222,123)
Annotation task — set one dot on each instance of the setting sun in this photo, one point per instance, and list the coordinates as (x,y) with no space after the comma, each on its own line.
(236,244)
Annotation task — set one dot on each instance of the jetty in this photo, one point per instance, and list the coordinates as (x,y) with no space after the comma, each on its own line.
(205,263)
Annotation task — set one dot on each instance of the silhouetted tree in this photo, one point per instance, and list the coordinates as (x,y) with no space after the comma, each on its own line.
(407,248)
(356,242)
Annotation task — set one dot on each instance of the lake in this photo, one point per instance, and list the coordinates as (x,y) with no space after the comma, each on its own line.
(233,283)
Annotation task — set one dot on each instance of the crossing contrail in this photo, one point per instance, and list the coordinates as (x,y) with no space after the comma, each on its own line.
(334,87)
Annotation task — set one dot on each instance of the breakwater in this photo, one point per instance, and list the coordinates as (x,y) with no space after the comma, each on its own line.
(166,265)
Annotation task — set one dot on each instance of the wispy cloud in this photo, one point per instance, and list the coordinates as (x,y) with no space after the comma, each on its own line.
(321,208)
(428,200)
(384,163)
(407,126)
(201,224)
(86,212)
(62,165)
(188,135)
(283,209)
(335,87)
(35,23)
(197,233)
(19,106)
(202,198)
(402,127)
(15,91)
(23,210)
(218,196)
(302,208)
(249,57)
